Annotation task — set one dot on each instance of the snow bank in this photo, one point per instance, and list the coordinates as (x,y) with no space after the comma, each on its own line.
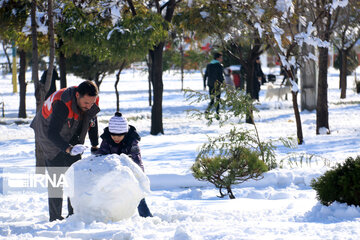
(106,188)
(282,178)
(336,212)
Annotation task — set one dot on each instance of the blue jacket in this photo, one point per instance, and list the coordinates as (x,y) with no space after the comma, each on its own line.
(129,145)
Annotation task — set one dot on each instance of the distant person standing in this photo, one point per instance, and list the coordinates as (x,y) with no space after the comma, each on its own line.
(55,76)
(258,78)
(214,76)
(228,77)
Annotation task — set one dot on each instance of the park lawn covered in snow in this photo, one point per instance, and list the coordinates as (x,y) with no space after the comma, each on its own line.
(280,206)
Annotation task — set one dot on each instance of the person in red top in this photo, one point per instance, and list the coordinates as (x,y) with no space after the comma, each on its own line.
(60,128)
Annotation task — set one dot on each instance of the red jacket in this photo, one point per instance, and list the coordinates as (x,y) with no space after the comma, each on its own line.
(60,124)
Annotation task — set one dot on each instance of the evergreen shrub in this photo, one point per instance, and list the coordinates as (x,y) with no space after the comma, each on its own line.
(238,155)
(341,184)
(224,171)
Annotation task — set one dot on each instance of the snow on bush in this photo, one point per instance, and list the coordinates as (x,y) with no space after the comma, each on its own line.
(106,188)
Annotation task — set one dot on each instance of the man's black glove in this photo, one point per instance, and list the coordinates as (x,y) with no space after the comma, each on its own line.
(94,149)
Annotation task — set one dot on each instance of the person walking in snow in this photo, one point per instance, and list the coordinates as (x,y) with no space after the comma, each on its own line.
(60,128)
(214,76)
(118,138)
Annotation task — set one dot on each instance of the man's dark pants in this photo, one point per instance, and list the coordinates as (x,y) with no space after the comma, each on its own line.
(214,93)
(56,167)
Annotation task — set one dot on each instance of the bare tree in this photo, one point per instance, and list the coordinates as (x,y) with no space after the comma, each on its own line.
(122,66)
(62,65)
(166,10)
(346,35)
(51,45)
(5,48)
(40,89)
(35,56)
(324,16)
(22,84)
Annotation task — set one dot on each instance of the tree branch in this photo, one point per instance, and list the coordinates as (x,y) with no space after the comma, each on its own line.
(132,8)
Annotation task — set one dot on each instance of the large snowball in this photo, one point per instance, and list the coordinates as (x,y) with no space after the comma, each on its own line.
(106,188)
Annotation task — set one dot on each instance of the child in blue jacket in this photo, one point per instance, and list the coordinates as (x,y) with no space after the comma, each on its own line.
(119,138)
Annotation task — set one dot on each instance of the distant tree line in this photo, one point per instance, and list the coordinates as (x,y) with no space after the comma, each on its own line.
(105,37)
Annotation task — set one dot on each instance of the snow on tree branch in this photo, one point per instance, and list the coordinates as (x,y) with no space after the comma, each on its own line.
(204,14)
(119,29)
(278,32)
(308,38)
(259,28)
(294,86)
(285,6)
(338,3)
(41,18)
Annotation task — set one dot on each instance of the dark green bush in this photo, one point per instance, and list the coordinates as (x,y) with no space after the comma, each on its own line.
(341,184)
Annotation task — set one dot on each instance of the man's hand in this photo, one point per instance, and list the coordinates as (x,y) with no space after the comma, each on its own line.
(77,149)
(94,149)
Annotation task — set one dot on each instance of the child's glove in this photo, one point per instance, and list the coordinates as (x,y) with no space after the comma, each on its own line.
(77,149)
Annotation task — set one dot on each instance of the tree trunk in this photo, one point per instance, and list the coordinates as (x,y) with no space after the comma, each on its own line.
(103,75)
(98,78)
(39,88)
(297,118)
(343,72)
(221,193)
(51,46)
(148,62)
(7,56)
(156,56)
(250,80)
(156,68)
(230,193)
(150,95)
(116,86)
(116,90)
(340,51)
(62,65)
(250,89)
(322,114)
(22,84)
(308,81)
(182,67)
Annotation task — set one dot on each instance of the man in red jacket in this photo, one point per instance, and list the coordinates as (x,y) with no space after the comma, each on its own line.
(60,128)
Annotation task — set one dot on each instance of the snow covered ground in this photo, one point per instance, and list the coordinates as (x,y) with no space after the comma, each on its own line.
(280,206)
